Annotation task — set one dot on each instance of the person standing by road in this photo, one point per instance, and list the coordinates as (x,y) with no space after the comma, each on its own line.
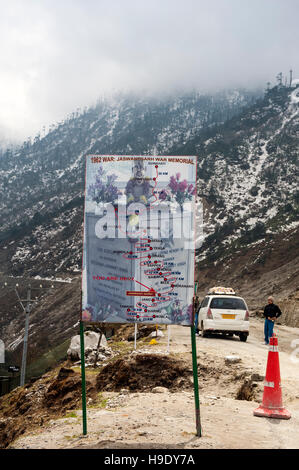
(196,311)
(271,312)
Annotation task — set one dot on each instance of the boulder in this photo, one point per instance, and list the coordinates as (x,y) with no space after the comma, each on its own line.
(257,378)
(232,359)
(159,390)
(157,334)
(91,339)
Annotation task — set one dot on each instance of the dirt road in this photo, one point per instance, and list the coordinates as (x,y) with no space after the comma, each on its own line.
(162,419)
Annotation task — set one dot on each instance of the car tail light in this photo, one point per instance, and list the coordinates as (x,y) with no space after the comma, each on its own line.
(209,314)
(246,315)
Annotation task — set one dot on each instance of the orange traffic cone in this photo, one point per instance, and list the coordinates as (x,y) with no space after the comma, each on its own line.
(272,398)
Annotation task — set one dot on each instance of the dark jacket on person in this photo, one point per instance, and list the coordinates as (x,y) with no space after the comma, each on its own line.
(272,310)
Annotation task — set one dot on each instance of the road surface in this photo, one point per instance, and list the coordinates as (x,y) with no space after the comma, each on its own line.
(166,420)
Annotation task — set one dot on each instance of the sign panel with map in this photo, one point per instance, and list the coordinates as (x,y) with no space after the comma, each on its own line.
(138,251)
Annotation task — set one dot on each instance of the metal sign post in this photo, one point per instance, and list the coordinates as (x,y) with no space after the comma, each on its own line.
(168,338)
(135,336)
(83,380)
(195,373)
(25,345)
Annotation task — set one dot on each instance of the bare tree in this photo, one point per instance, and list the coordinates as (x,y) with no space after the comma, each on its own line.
(279,78)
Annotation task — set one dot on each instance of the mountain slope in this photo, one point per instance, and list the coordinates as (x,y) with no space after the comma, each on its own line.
(247,167)
(41,184)
(248,181)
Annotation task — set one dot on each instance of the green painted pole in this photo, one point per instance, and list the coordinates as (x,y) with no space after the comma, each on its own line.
(195,373)
(83,381)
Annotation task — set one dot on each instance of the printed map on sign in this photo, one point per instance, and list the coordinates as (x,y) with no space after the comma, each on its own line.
(138,253)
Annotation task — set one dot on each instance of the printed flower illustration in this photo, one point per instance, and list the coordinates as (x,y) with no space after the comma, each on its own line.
(103,190)
(87,313)
(163,195)
(177,190)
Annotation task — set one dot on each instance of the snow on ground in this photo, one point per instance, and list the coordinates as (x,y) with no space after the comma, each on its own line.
(55,279)
(290,226)
(295,96)
(252,221)
(237,189)
(12,346)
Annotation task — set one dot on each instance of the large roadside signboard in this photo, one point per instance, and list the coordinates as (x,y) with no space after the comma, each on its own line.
(138,251)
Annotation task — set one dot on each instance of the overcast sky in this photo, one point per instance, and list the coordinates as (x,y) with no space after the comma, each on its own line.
(57,55)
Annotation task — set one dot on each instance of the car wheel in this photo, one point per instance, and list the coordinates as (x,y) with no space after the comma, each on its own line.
(243,337)
(204,333)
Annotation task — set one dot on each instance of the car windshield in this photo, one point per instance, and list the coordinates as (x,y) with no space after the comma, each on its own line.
(228,303)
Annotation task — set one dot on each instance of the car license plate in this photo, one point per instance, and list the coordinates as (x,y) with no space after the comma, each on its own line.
(228,316)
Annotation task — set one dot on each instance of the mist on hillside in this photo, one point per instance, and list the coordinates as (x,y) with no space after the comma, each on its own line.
(58,56)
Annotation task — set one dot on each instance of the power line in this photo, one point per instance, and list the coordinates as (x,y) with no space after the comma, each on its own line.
(27,306)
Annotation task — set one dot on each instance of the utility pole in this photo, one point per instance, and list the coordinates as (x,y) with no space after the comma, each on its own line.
(27,309)
(25,345)
(291,77)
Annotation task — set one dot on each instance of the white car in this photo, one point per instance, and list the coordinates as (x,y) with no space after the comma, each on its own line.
(224,313)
